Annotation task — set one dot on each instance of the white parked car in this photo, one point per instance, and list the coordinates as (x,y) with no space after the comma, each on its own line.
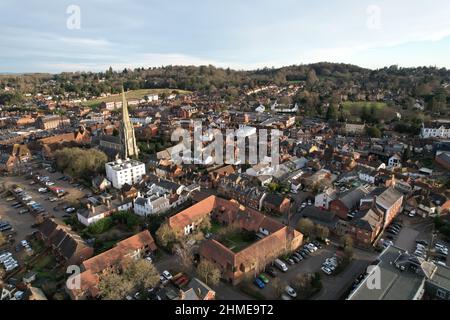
(291,292)
(326,270)
(70,210)
(167,275)
(24,243)
(42,190)
(163,279)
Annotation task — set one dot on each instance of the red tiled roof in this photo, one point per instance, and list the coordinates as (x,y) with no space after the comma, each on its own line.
(116,254)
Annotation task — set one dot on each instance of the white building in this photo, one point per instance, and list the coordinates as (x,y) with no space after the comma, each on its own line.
(395,161)
(122,172)
(322,200)
(438,131)
(149,205)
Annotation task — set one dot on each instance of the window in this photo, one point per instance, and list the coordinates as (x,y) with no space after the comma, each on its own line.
(441,294)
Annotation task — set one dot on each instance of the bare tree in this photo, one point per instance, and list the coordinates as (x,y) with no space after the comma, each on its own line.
(208,273)
(185,255)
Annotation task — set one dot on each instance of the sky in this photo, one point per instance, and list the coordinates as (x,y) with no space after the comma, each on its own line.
(91,35)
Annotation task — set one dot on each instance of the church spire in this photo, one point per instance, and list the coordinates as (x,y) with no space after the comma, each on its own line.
(127,138)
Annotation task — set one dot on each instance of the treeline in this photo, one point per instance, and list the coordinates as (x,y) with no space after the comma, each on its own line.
(323,82)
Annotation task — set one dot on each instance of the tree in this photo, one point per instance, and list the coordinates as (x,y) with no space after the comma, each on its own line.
(305,226)
(312,78)
(141,273)
(205,224)
(165,235)
(322,232)
(185,255)
(373,132)
(331,113)
(80,163)
(346,241)
(406,154)
(2,239)
(208,273)
(113,286)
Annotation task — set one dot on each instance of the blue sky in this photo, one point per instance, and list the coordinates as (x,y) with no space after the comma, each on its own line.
(241,34)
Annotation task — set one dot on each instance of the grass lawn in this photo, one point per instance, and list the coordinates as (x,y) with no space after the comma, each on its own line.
(348,105)
(215,227)
(44,262)
(238,240)
(132,95)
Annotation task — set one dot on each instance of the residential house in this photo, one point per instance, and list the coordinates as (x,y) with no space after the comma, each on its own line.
(323,199)
(67,246)
(134,247)
(12,155)
(276,204)
(348,202)
(272,238)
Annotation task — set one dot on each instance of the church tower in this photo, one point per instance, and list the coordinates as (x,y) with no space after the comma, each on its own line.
(127,138)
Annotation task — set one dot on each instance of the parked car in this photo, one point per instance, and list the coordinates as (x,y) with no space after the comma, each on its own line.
(264,278)
(167,275)
(259,283)
(70,210)
(291,292)
(289,261)
(163,279)
(272,272)
(281,265)
(42,190)
(326,270)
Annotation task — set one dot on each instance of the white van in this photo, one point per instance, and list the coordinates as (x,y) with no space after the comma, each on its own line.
(280,265)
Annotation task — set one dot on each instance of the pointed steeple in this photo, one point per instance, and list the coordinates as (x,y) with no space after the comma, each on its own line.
(125,115)
(127,138)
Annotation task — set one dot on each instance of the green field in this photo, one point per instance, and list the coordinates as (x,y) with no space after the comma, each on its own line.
(348,105)
(132,95)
